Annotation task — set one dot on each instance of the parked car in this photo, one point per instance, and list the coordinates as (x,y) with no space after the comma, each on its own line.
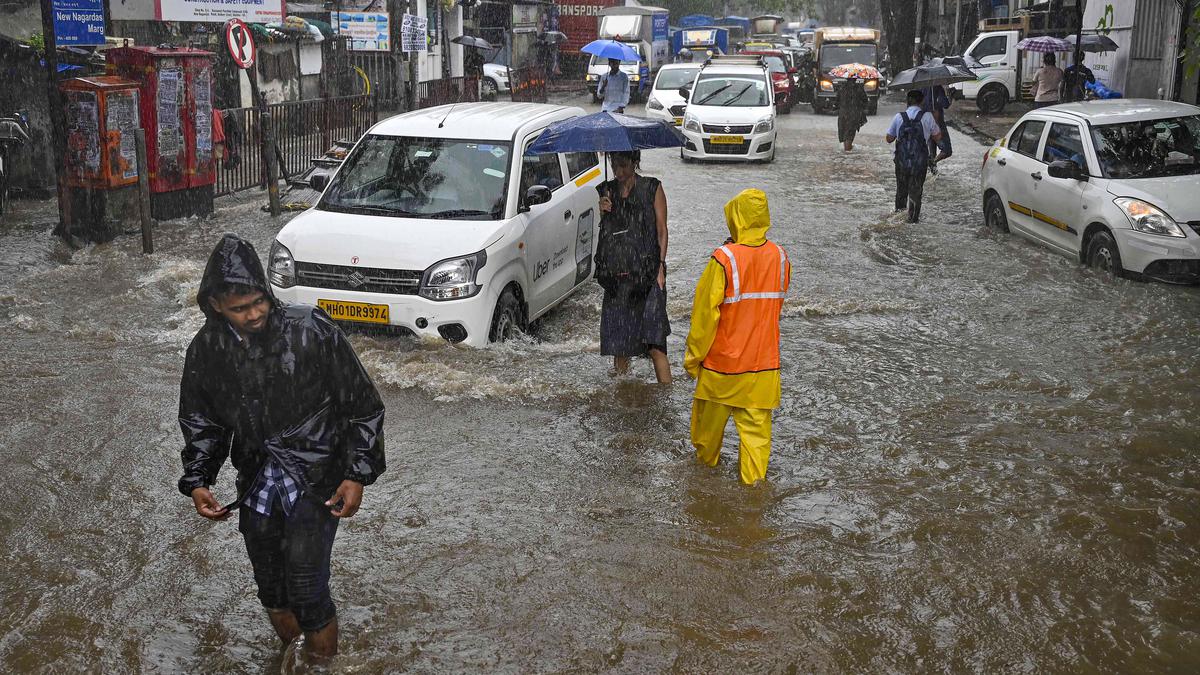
(438,223)
(495,80)
(1112,184)
(784,87)
(665,102)
(730,112)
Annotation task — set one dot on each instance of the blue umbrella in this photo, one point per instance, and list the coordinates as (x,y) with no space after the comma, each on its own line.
(611,49)
(606,132)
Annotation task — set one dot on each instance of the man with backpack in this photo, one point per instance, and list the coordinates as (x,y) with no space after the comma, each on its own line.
(911,131)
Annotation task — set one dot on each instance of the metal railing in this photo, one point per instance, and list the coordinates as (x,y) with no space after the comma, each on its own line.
(528,84)
(302,130)
(447,90)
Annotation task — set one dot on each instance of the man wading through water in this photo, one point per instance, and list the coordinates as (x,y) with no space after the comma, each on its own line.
(279,390)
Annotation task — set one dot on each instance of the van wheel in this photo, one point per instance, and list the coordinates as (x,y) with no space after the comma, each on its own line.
(992,99)
(1104,256)
(993,214)
(508,319)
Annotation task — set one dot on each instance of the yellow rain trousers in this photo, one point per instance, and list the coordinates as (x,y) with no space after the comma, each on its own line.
(748,397)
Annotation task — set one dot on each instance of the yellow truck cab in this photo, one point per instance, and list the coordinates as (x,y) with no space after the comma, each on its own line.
(838,46)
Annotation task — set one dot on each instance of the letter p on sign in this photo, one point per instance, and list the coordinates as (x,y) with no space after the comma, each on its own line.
(240,43)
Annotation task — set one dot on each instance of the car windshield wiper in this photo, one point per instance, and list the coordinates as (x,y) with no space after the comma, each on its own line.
(739,94)
(718,90)
(456,213)
(370,210)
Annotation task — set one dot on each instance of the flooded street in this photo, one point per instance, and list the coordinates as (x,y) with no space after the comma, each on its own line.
(985,460)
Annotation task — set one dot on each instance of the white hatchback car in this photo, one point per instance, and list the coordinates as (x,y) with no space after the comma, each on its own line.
(730,112)
(1113,184)
(440,224)
(665,103)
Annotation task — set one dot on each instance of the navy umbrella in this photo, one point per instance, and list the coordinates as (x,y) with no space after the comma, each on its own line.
(606,132)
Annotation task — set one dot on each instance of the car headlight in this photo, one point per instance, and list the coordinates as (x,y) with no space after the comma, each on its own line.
(281,267)
(1148,218)
(826,85)
(871,85)
(453,279)
(591,78)
(764,125)
(653,104)
(691,124)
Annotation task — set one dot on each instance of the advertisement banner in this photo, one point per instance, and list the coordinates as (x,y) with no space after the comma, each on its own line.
(412,33)
(78,23)
(220,11)
(368,31)
(660,27)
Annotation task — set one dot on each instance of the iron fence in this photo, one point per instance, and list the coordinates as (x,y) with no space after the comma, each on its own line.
(528,84)
(302,130)
(447,90)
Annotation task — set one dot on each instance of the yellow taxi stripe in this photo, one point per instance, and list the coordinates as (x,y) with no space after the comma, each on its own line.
(587,177)
(1025,210)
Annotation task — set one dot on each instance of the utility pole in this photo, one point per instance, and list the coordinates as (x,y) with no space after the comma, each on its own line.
(58,120)
(411,93)
(958,26)
(919,42)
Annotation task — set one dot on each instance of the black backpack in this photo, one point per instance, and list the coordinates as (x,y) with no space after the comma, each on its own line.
(627,252)
(912,150)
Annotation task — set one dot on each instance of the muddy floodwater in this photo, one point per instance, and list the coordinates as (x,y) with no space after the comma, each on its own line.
(985,460)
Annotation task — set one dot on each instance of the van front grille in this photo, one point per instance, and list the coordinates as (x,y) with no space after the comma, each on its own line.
(365,279)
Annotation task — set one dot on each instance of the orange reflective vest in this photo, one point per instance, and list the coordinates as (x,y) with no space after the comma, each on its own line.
(756,282)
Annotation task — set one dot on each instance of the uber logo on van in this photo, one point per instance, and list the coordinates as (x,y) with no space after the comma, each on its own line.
(540,269)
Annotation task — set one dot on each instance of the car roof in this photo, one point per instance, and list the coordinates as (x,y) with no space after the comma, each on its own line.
(1112,111)
(484,121)
(734,70)
(679,66)
(764,52)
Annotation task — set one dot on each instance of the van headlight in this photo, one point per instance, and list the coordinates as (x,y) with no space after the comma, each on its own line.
(1148,218)
(826,85)
(591,78)
(764,125)
(453,279)
(653,104)
(281,267)
(871,85)
(691,124)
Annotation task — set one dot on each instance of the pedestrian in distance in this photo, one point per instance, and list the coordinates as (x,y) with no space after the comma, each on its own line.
(733,344)
(852,106)
(911,130)
(613,88)
(1076,77)
(278,390)
(1046,82)
(935,104)
(631,267)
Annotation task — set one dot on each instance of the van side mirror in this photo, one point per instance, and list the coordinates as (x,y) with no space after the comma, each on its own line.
(318,182)
(685,92)
(537,194)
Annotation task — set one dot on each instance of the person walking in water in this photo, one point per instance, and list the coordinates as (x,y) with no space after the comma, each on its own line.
(733,345)
(852,111)
(935,104)
(911,130)
(631,267)
(1046,82)
(279,390)
(613,88)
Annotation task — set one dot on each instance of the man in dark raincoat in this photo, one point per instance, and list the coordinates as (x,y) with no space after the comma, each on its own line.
(279,390)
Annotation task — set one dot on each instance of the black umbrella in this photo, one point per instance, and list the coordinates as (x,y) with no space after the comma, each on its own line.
(1094,43)
(968,63)
(472,41)
(930,75)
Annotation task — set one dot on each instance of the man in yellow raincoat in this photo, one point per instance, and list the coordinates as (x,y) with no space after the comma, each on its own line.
(733,346)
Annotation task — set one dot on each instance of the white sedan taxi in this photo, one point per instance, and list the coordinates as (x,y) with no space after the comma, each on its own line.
(440,224)
(1112,184)
(664,102)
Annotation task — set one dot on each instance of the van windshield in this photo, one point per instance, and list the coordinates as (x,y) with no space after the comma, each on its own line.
(422,178)
(1150,148)
(731,90)
(840,55)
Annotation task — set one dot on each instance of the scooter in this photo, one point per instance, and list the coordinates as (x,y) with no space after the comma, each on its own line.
(14,133)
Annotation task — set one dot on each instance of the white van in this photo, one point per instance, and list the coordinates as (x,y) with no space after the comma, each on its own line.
(438,223)
(730,112)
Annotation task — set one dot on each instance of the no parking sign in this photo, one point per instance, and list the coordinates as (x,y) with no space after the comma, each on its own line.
(240,43)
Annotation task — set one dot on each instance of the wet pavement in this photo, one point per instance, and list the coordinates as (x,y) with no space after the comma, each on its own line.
(984,461)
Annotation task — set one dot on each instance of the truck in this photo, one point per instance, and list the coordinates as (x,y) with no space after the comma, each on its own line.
(702,42)
(838,46)
(578,19)
(696,21)
(738,27)
(645,29)
(1005,73)
(766,24)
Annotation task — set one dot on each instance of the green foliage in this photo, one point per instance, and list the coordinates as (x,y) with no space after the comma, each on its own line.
(1191,54)
(38,43)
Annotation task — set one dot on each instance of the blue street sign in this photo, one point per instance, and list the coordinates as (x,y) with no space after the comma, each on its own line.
(78,23)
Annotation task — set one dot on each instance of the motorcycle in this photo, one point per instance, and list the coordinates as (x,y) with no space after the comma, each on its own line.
(14,133)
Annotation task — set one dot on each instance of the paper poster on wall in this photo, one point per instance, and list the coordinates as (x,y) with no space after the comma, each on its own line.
(170,137)
(202,111)
(368,31)
(220,11)
(412,33)
(83,132)
(122,119)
